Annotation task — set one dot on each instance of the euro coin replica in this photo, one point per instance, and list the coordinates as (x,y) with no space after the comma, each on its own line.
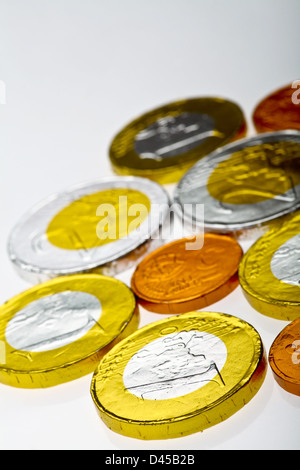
(59,330)
(163,143)
(179,376)
(270,271)
(280,110)
(182,276)
(243,185)
(103,227)
(284,358)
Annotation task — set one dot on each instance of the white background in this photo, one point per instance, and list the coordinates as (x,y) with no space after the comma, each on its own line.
(75,73)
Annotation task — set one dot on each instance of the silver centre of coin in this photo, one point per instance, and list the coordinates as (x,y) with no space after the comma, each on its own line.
(175,365)
(53,321)
(285,264)
(173,135)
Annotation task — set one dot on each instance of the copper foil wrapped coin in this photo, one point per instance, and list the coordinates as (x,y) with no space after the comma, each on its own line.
(181,275)
(280,110)
(284,358)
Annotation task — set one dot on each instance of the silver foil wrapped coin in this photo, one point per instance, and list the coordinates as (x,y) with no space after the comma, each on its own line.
(244,184)
(104,226)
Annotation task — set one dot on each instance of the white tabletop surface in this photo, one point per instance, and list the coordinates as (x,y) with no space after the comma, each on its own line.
(74,73)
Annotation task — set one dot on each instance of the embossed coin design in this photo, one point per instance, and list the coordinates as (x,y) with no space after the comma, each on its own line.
(270,271)
(243,185)
(179,376)
(163,143)
(175,279)
(284,358)
(58,331)
(278,111)
(88,228)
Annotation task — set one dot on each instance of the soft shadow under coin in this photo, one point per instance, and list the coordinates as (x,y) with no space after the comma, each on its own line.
(290,398)
(59,394)
(214,437)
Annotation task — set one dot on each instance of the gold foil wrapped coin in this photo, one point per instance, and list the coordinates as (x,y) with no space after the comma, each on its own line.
(179,376)
(280,110)
(269,272)
(103,226)
(185,275)
(163,143)
(58,331)
(284,358)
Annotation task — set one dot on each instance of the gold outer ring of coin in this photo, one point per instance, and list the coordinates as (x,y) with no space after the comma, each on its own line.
(47,368)
(265,292)
(234,385)
(284,358)
(278,111)
(230,125)
(177,279)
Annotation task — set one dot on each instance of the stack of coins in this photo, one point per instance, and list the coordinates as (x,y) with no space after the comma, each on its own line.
(80,319)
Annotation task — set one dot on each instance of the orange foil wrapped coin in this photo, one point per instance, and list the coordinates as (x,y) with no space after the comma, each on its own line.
(284,358)
(184,275)
(280,110)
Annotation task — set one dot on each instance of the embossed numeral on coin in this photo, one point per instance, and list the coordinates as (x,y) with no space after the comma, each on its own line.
(296,354)
(296,94)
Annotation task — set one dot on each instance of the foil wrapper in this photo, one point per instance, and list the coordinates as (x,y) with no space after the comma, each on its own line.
(269,273)
(58,331)
(165,142)
(244,185)
(179,376)
(279,111)
(88,228)
(284,358)
(187,274)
